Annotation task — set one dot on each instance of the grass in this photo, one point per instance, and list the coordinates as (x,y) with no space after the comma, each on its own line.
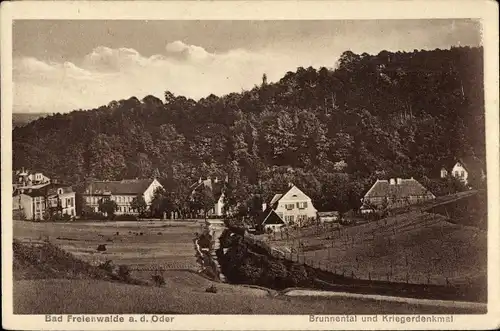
(52,285)
(188,297)
(173,248)
(423,246)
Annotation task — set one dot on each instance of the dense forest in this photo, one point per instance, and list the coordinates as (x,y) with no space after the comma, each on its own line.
(331,132)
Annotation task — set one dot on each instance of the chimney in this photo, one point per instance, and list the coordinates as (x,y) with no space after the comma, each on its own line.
(392,181)
(399,180)
(290,184)
(264,206)
(199,180)
(216,180)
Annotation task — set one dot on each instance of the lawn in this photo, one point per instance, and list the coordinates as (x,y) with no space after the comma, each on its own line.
(421,246)
(167,245)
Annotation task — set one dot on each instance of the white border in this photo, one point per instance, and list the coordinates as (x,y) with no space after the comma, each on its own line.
(487,11)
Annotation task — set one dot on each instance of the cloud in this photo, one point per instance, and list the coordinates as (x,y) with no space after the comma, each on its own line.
(107,74)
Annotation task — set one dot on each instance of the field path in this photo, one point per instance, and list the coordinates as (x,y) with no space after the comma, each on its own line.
(424,302)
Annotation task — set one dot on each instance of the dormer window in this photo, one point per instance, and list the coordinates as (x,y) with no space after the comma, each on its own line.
(59,191)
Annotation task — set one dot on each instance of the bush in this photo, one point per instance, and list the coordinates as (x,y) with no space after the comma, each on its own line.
(107,266)
(125,218)
(158,280)
(124,272)
(101,248)
(211,289)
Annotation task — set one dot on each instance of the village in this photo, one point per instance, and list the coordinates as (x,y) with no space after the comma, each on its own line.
(38,198)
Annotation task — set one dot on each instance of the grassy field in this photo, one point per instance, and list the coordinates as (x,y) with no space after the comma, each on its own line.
(167,245)
(421,246)
(184,291)
(184,294)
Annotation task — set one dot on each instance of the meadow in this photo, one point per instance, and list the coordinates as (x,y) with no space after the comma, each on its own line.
(143,245)
(415,247)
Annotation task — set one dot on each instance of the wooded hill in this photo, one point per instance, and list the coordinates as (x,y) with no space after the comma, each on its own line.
(331,132)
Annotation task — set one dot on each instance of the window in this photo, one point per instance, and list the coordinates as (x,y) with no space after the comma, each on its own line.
(289,218)
(462,174)
(302,205)
(289,206)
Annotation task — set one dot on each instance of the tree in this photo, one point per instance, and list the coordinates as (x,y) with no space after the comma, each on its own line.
(203,199)
(108,207)
(139,205)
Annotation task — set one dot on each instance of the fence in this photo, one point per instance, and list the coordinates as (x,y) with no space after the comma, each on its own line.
(402,271)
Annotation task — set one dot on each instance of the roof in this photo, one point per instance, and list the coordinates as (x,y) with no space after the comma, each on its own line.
(269,216)
(407,187)
(217,186)
(275,199)
(472,164)
(125,187)
(43,190)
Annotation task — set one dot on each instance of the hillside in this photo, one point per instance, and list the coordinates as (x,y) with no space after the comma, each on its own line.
(21,119)
(331,132)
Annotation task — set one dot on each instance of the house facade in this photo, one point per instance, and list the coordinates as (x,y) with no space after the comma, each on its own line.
(293,206)
(121,192)
(463,168)
(393,193)
(33,203)
(26,178)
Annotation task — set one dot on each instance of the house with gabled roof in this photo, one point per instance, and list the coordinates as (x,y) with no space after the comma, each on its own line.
(122,192)
(269,219)
(217,187)
(393,193)
(464,167)
(293,206)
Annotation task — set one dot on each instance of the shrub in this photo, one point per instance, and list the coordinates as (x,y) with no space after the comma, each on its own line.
(107,266)
(211,289)
(124,272)
(158,280)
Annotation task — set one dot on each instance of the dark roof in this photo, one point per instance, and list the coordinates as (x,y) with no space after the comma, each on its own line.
(472,164)
(269,216)
(407,187)
(125,186)
(46,190)
(217,187)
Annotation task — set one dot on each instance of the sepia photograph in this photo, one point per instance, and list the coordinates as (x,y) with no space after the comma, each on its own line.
(329,168)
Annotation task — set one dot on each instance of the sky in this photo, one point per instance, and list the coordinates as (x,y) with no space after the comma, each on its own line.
(63,65)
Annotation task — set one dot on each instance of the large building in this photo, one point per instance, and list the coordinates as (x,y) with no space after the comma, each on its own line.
(292,206)
(122,192)
(394,193)
(34,202)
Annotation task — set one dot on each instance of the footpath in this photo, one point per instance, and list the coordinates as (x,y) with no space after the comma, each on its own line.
(412,301)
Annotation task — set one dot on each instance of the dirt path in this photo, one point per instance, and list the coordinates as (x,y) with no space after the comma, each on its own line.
(425,302)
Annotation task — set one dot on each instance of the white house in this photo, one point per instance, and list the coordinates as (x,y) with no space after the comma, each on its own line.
(122,192)
(216,186)
(33,202)
(293,206)
(463,168)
